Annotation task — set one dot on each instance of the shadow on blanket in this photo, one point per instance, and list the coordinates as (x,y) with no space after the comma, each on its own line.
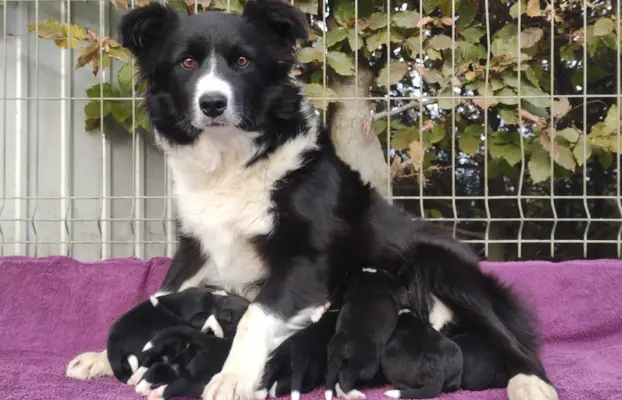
(54,308)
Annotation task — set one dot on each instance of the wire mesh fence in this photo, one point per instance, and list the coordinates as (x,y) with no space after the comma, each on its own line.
(497,118)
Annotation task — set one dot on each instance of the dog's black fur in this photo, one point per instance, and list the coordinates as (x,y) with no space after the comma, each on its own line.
(326,221)
(419,361)
(192,307)
(483,366)
(183,360)
(299,363)
(367,319)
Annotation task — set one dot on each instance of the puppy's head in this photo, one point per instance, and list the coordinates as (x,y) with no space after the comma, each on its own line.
(213,70)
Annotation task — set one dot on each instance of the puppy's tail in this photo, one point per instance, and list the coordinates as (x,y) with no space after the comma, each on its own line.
(430,390)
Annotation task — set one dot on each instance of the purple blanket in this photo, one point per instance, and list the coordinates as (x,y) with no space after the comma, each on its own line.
(53,308)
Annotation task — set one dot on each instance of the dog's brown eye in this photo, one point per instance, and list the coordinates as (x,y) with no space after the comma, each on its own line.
(189,63)
(242,62)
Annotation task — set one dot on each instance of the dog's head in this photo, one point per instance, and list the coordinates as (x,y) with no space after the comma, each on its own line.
(214,69)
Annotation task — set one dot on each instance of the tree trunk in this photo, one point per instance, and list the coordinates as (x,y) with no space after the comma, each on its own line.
(362,152)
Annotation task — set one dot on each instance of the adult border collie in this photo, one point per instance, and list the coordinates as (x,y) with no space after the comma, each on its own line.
(267,210)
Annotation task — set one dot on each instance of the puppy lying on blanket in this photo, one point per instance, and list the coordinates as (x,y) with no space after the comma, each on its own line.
(419,361)
(205,309)
(181,362)
(367,320)
(298,365)
(483,367)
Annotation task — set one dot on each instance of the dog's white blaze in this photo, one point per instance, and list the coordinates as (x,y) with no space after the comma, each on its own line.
(224,203)
(440,314)
(212,83)
(211,323)
(530,387)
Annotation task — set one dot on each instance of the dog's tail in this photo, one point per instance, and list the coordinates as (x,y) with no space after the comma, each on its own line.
(454,276)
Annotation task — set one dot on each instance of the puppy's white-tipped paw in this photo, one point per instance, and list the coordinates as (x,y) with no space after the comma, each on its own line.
(530,387)
(143,388)
(229,386)
(328,395)
(157,394)
(89,365)
(154,301)
(133,361)
(137,376)
(261,394)
(295,395)
(148,346)
(351,395)
(394,394)
(272,391)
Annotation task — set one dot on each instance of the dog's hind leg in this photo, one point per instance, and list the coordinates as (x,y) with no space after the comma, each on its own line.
(450,272)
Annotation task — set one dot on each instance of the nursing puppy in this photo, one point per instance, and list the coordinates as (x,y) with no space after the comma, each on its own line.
(268,210)
(298,365)
(483,366)
(180,362)
(419,361)
(204,309)
(366,321)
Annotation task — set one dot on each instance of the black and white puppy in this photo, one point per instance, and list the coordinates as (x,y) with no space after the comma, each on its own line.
(419,361)
(180,362)
(204,309)
(367,319)
(483,366)
(268,210)
(298,365)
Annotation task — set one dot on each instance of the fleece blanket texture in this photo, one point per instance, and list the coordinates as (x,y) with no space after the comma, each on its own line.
(53,308)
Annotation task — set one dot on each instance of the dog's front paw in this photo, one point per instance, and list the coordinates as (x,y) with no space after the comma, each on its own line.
(229,386)
(89,365)
(530,387)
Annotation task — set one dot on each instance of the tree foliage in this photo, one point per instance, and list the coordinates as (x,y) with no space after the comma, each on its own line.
(463,91)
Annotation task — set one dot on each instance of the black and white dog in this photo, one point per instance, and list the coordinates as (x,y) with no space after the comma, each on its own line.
(266,208)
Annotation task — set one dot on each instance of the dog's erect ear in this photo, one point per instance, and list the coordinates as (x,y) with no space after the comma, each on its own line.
(142,27)
(279,17)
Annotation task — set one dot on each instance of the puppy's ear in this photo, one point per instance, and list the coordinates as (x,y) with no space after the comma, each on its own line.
(142,27)
(279,17)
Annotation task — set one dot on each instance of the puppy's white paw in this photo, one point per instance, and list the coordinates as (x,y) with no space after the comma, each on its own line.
(272,391)
(394,394)
(157,394)
(351,395)
(143,388)
(137,376)
(261,394)
(89,365)
(229,386)
(530,387)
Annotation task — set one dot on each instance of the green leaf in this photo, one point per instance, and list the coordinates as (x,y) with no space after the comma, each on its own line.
(402,138)
(440,42)
(570,134)
(509,116)
(308,7)
(397,71)
(543,99)
(124,77)
(340,62)
(432,54)
(603,26)
(511,99)
(92,109)
(396,36)
(446,6)
(466,15)
(508,31)
(374,22)
(310,54)
(121,110)
(510,78)
(612,119)
(472,34)
(514,9)
(605,158)
(470,139)
(317,94)
(380,126)
(530,36)
(582,154)
(504,47)
(568,52)
(565,158)
(373,42)
(142,119)
(91,124)
(436,135)
(445,104)
(560,107)
(539,166)
(354,45)
(335,36)
(610,41)
(508,151)
(406,19)
(429,6)
(343,11)
(470,52)
(103,90)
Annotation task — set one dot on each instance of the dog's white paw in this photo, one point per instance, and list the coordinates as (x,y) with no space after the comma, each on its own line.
(351,395)
(394,394)
(137,376)
(89,365)
(530,387)
(229,386)
(157,394)
(143,388)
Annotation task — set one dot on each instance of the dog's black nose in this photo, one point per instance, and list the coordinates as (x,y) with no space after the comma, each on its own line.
(213,104)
